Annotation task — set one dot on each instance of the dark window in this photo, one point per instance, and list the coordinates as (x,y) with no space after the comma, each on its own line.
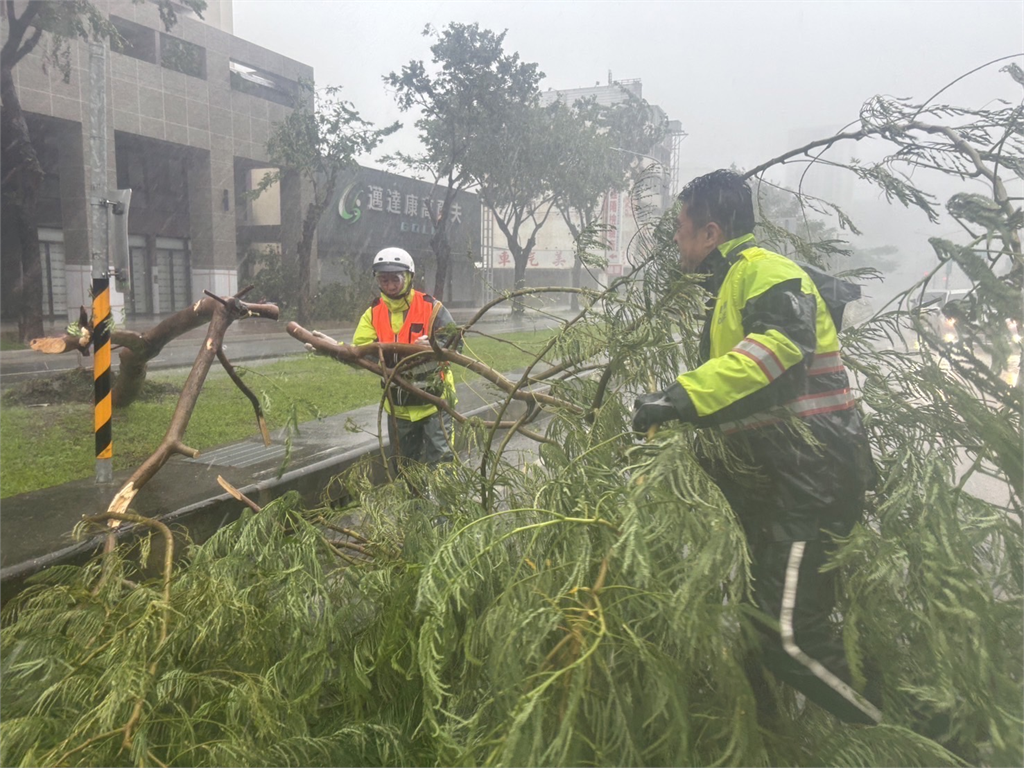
(259,82)
(55,302)
(167,180)
(157,176)
(47,143)
(182,56)
(133,40)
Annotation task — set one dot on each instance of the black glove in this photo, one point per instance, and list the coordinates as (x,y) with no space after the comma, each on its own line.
(659,407)
(652,409)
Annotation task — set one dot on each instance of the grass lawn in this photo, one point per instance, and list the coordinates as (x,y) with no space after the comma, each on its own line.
(45,446)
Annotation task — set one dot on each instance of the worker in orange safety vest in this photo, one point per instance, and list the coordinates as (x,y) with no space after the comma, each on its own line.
(417,430)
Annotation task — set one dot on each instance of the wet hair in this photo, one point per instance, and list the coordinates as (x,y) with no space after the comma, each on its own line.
(722,197)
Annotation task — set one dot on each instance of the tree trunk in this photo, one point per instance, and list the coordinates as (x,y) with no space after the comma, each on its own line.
(443,255)
(22,179)
(304,258)
(577,271)
(137,349)
(441,245)
(520,257)
(577,264)
(520,253)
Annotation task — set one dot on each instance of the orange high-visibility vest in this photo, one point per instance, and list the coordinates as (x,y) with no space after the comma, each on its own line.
(417,319)
(417,324)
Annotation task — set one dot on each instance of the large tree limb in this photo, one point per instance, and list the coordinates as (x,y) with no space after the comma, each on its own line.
(224,312)
(22,182)
(356,355)
(13,49)
(136,349)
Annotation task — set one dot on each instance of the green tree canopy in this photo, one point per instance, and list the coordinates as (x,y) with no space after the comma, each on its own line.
(318,140)
(601,148)
(473,88)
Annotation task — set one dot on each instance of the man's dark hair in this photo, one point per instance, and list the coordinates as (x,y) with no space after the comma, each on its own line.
(722,197)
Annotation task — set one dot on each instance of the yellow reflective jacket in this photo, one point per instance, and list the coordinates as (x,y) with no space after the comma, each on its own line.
(770,353)
(753,337)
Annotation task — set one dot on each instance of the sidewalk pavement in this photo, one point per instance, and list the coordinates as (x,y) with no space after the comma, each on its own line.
(36,526)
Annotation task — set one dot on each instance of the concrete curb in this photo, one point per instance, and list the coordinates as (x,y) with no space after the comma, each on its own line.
(205,517)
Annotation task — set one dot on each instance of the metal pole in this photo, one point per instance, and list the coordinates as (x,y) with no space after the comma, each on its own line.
(99,246)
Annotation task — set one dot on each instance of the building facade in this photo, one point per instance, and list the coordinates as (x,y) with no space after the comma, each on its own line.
(375,209)
(188,115)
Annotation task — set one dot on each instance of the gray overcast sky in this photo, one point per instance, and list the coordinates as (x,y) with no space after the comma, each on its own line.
(744,78)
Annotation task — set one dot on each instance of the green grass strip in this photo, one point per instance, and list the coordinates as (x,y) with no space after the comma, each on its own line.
(46,446)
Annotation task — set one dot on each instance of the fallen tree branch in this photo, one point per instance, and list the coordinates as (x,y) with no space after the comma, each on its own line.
(224,312)
(261,422)
(356,356)
(347,531)
(136,349)
(351,545)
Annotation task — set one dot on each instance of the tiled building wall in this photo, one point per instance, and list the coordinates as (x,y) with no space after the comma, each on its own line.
(203,119)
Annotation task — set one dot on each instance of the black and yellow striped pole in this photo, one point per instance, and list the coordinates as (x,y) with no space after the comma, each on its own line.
(99,246)
(101,378)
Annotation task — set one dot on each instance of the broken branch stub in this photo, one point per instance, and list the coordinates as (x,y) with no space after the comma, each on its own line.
(138,348)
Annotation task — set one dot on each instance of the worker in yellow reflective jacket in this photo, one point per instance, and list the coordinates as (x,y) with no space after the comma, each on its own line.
(418,431)
(770,355)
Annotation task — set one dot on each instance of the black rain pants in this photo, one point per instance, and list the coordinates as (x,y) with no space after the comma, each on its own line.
(427,441)
(804,652)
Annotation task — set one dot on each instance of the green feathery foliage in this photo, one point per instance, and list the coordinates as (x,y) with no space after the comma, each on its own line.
(236,668)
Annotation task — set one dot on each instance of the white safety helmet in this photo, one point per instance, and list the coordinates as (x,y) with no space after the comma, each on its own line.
(393,260)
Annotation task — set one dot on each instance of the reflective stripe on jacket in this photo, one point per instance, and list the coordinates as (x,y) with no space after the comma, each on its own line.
(741,362)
